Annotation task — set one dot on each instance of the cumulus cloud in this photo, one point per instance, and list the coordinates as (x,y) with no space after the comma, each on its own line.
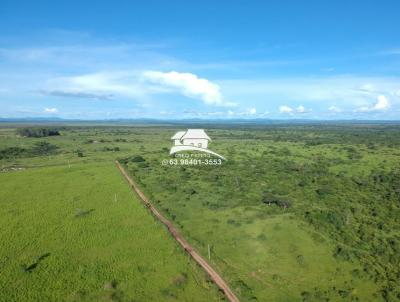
(189,85)
(134,84)
(50,110)
(346,92)
(285,109)
(301,109)
(252,111)
(381,104)
(334,109)
(245,113)
(290,110)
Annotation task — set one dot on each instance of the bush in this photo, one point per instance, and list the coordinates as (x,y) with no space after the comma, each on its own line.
(342,252)
(12,152)
(324,190)
(37,132)
(269,199)
(137,159)
(143,165)
(39,148)
(43,148)
(111,149)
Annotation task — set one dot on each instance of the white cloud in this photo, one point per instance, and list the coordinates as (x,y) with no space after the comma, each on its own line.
(252,111)
(248,112)
(285,109)
(346,92)
(189,85)
(367,88)
(50,110)
(363,109)
(334,109)
(113,82)
(134,84)
(290,110)
(101,85)
(301,109)
(166,112)
(381,104)
(100,71)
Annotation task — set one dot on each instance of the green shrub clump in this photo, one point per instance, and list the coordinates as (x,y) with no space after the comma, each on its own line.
(38,132)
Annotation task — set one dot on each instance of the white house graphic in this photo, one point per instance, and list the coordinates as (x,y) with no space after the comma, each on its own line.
(192,140)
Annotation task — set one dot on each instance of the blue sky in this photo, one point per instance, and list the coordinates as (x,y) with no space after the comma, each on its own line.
(200,59)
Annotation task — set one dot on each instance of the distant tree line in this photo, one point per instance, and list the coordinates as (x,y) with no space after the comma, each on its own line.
(38,149)
(37,132)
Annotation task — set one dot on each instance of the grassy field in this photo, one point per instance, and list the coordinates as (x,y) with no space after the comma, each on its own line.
(79,234)
(296,213)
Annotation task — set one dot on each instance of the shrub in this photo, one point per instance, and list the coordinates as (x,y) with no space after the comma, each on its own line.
(111,149)
(324,190)
(12,152)
(39,148)
(43,148)
(137,159)
(269,199)
(342,252)
(143,165)
(37,132)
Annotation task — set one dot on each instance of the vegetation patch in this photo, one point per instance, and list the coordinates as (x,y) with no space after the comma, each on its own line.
(38,132)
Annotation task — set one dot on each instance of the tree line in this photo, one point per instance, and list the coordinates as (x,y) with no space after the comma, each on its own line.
(37,132)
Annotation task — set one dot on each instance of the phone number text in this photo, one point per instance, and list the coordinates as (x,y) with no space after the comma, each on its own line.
(192,162)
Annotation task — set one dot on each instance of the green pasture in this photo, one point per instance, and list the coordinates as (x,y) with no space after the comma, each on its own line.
(79,234)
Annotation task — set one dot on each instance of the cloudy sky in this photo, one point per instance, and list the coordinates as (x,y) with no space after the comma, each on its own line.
(204,59)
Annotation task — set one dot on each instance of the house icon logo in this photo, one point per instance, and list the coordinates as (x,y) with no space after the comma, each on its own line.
(192,140)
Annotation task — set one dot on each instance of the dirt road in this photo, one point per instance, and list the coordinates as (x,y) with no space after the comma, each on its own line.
(188,248)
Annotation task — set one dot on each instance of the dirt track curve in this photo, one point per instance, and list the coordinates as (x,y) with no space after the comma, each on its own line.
(188,248)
